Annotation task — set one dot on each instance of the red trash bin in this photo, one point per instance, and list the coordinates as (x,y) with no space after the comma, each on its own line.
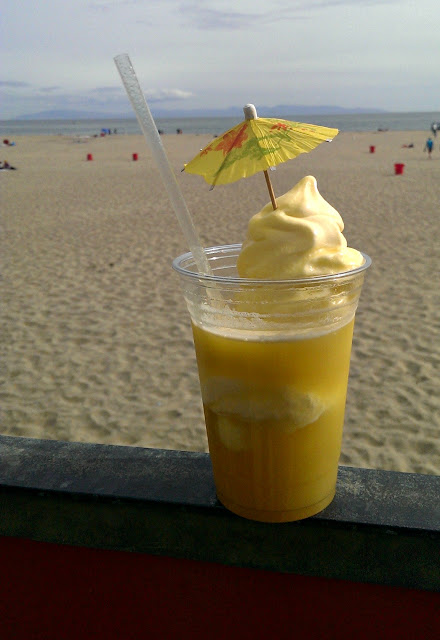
(89,156)
(135,156)
(398,168)
(372,149)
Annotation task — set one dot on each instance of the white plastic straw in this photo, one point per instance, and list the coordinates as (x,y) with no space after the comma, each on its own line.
(152,137)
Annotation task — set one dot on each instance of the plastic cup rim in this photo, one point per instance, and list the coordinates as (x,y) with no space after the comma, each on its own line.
(230,248)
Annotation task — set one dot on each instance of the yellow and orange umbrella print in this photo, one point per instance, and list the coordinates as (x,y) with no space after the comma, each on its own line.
(256,144)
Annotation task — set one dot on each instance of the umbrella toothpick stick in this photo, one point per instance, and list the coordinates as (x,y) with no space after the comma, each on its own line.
(250,113)
(270,189)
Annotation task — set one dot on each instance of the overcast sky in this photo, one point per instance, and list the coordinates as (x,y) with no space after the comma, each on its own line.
(58,54)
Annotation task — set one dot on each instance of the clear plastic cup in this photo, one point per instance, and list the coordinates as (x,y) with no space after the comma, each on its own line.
(273,360)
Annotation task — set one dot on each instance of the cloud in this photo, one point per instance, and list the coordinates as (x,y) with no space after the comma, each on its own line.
(203,16)
(106,90)
(106,99)
(49,89)
(13,84)
(324,4)
(153,95)
(161,95)
(105,5)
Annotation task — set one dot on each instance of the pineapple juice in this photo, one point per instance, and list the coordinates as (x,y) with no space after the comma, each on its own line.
(274,412)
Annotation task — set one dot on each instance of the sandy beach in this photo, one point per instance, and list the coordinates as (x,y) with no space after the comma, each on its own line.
(95,337)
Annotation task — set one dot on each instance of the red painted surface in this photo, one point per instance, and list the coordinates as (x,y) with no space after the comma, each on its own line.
(59,592)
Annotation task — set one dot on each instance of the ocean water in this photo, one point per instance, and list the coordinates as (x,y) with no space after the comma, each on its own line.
(348,122)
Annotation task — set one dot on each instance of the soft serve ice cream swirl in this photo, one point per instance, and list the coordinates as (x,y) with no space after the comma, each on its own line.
(301,238)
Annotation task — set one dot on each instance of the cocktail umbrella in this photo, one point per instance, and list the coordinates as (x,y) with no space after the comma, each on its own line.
(256,144)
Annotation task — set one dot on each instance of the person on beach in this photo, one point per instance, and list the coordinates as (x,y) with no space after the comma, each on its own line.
(429,147)
(5,166)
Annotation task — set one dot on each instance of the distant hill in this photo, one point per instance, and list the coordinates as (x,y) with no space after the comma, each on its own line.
(264,111)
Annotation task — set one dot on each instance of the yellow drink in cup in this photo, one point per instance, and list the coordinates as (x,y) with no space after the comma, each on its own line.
(282,464)
(273,359)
